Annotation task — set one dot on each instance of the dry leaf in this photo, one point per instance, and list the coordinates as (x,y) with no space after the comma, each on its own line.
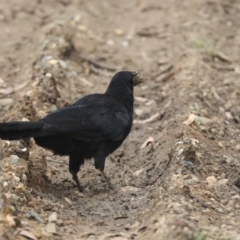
(149,140)
(27,234)
(51,228)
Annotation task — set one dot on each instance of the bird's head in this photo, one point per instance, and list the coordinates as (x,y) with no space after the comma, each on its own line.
(126,78)
(122,83)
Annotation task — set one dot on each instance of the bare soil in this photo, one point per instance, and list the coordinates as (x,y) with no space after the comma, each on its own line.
(177,174)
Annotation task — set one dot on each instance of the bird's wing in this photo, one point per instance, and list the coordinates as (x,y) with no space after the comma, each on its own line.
(89,123)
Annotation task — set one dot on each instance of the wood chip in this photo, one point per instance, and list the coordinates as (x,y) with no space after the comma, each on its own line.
(85,82)
(190,119)
(150,139)
(141,99)
(68,200)
(152,118)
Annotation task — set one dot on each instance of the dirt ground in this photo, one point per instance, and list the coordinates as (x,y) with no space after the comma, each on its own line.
(177,174)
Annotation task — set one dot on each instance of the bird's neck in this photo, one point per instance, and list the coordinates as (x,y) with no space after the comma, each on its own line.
(125,95)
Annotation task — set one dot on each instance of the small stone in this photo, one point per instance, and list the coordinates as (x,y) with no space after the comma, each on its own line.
(14,159)
(77,18)
(17,179)
(48,75)
(220,210)
(138,111)
(125,43)
(24,178)
(223,181)
(211,181)
(237,147)
(25,120)
(62,64)
(5,184)
(53,108)
(53,61)
(118,32)
(110,42)
(82,28)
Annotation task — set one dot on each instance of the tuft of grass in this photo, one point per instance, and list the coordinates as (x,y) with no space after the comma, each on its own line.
(200,235)
(208,45)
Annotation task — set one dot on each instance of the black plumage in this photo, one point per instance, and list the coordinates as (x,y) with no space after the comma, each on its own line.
(93,127)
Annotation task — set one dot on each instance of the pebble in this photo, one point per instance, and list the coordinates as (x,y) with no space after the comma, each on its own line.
(118,32)
(82,28)
(223,181)
(110,42)
(5,184)
(220,210)
(48,75)
(237,147)
(17,179)
(14,159)
(77,18)
(211,181)
(53,108)
(125,43)
(138,111)
(62,64)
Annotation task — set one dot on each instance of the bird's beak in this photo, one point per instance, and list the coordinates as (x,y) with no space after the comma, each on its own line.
(137,79)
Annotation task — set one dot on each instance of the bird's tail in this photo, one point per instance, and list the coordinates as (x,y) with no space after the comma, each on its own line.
(18,130)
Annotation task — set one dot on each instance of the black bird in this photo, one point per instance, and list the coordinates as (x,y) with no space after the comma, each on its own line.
(93,127)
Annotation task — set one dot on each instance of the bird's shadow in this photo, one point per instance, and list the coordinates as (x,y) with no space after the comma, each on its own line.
(67,188)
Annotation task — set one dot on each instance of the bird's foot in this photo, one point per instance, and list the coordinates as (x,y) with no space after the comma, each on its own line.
(111,187)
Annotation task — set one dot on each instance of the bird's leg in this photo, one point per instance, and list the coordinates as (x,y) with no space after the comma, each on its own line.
(106,179)
(99,160)
(75,179)
(74,165)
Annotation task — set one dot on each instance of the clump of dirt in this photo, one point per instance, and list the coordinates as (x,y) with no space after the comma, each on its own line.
(177,174)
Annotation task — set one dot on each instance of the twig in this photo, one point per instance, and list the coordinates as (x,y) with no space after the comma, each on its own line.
(150,119)
(55,87)
(169,68)
(49,160)
(224,68)
(168,76)
(99,71)
(96,64)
